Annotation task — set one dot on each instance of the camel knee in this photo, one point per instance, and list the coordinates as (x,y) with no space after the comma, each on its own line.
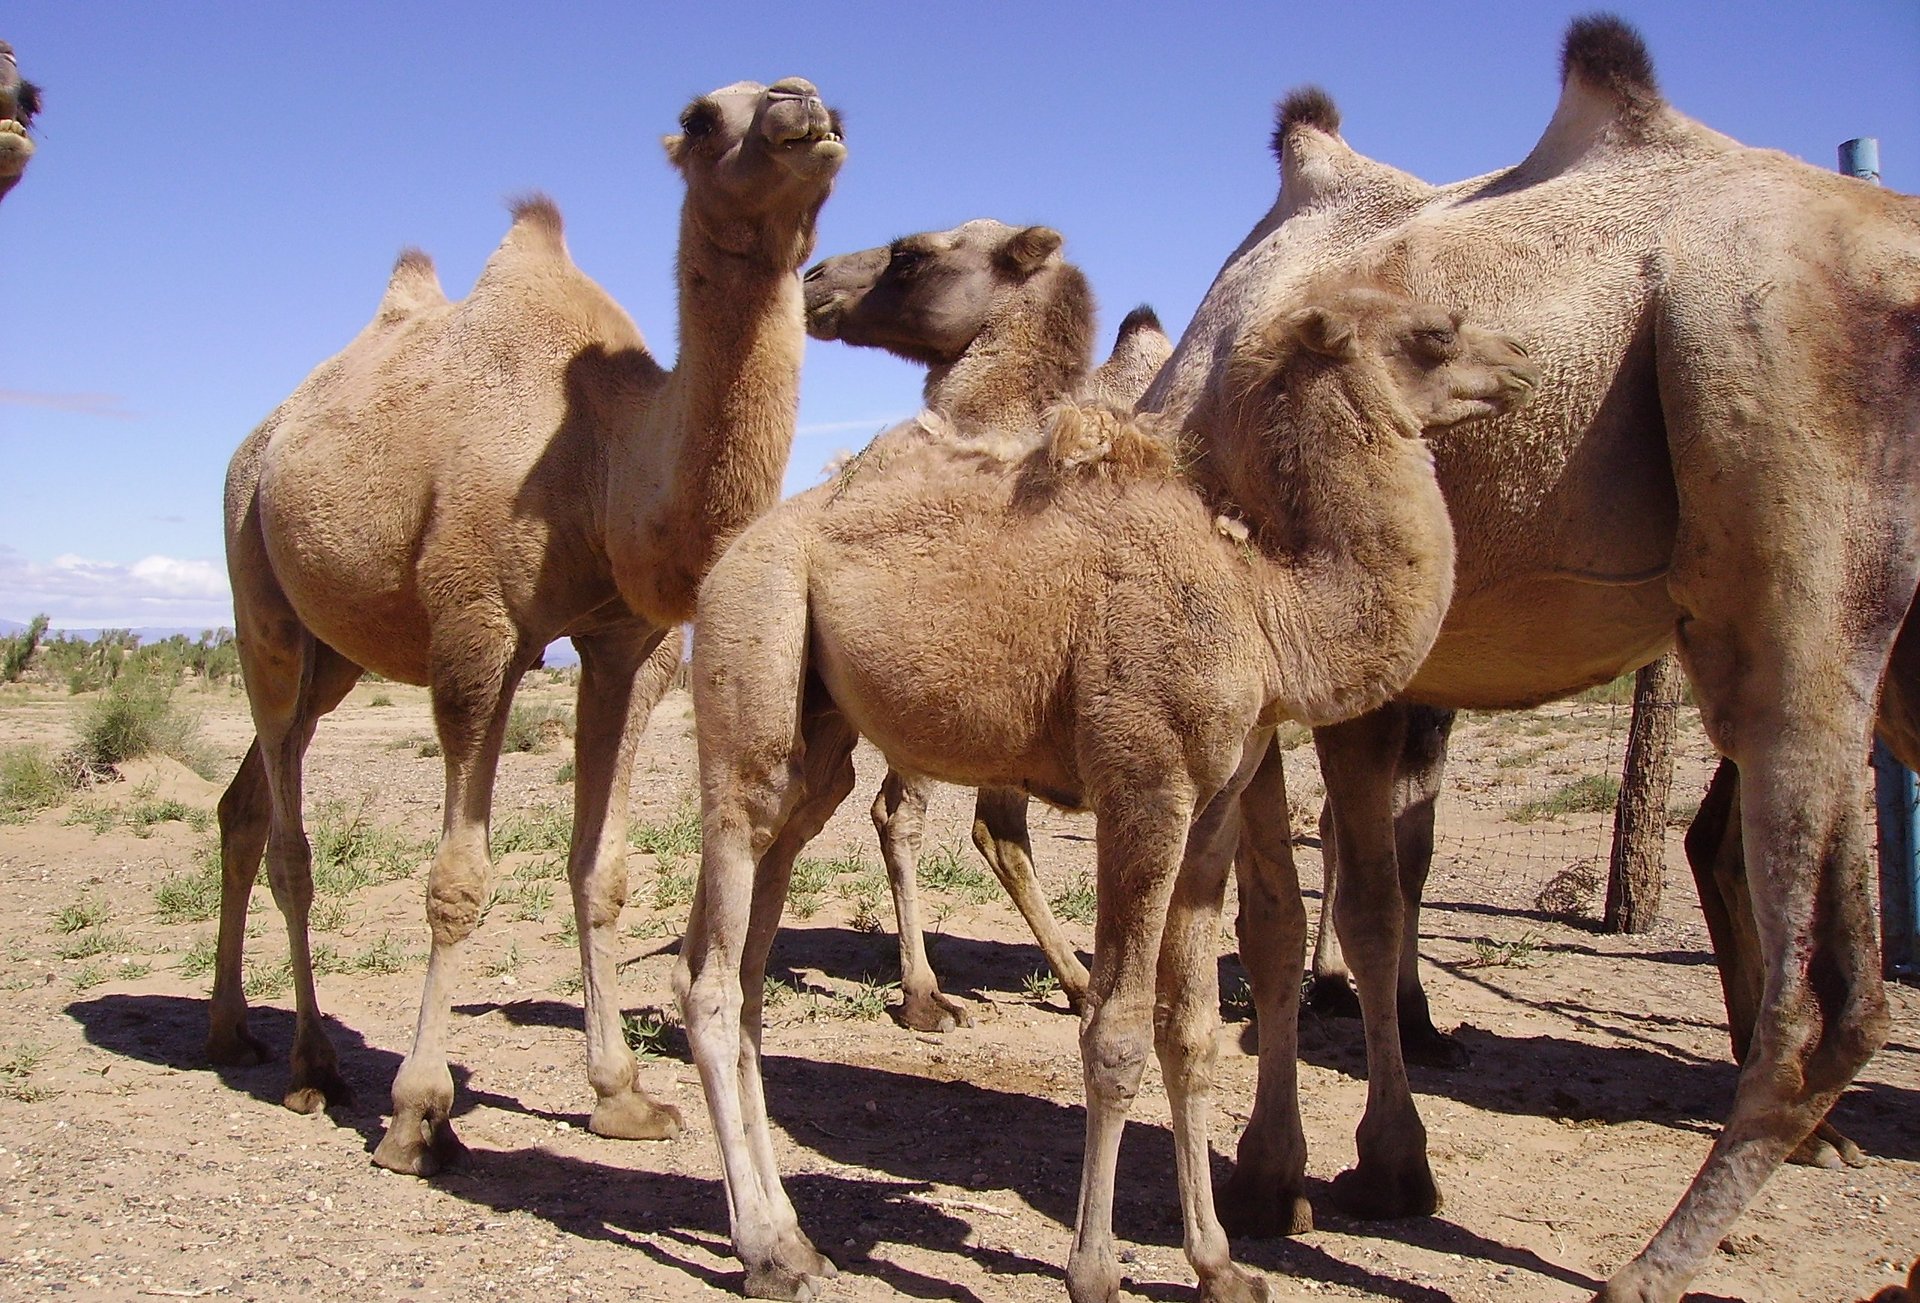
(1114,1057)
(455,899)
(1187,1050)
(597,901)
(1853,1033)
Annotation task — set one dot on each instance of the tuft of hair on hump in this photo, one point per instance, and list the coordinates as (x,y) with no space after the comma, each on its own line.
(537,212)
(412,286)
(1141,318)
(1304,106)
(1607,54)
(412,262)
(1109,440)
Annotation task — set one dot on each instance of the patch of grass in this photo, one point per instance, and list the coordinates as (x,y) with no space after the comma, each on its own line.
(569,928)
(867,1000)
(564,774)
(132,970)
(1039,985)
(97,815)
(142,815)
(386,955)
(351,851)
(326,915)
(543,828)
(504,964)
(428,749)
(381,699)
(1589,794)
(679,835)
(647,1032)
(673,885)
(947,868)
(1521,758)
(569,985)
(530,900)
(268,981)
(1077,902)
(1517,953)
(31,779)
(774,992)
(865,894)
(85,979)
(18,1062)
(78,916)
(95,941)
(189,897)
(536,727)
(197,959)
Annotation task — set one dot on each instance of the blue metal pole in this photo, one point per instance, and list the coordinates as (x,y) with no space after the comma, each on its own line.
(1896,795)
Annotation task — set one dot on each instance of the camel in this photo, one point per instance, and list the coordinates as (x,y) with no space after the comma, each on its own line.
(19,101)
(468,481)
(1004,323)
(1719,461)
(1908,1293)
(1110,620)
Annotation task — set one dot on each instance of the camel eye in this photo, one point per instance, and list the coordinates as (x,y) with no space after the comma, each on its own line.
(1436,341)
(905,262)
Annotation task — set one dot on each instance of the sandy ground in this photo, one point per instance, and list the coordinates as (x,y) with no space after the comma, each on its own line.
(930,1167)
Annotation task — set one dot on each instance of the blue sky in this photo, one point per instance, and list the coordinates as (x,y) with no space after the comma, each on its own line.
(221,188)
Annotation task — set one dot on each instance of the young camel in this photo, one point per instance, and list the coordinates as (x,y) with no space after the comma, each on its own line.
(1084,622)
(1005,326)
(467,482)
(1721,458)
(19,101)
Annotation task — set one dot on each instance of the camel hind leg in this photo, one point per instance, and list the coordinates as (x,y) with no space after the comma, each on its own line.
(292,680)
(899,817)
(1000,835)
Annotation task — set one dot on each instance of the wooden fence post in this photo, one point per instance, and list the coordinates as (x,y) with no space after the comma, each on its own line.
(1638,867)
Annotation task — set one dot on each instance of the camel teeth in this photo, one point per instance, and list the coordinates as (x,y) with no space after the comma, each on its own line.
(12,128)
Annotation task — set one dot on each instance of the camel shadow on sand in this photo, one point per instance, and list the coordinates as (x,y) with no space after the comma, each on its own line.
(962,1136)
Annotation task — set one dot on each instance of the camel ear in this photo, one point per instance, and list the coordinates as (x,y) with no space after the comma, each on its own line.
(1325,332)
(1028,249)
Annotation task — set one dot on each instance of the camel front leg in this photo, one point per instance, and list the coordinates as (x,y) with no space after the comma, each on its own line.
(471,697)
(899,817)
(1141,832)
(1267,1193)
(1186,1018)
(1392,1177)
(623,675)
(1000,834)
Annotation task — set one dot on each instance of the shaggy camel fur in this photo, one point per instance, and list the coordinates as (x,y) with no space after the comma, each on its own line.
(19,101)
(1723,455)
(467,482)
(1005,325)
(1082,621)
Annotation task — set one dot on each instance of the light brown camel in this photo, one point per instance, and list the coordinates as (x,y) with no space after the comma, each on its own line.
(19,101)
(467,482)
(1722,454)
(1083,621)
(1005,325)
(1908,1293)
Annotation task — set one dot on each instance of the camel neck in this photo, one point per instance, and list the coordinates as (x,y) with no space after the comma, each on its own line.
(1353,549)
(730,408)
(1011,374)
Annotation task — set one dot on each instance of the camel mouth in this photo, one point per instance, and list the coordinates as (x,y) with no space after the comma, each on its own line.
(10,127)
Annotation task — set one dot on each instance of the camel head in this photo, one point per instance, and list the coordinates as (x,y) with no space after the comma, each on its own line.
(1403,365)
(928,297)
(19,101)
(759,161)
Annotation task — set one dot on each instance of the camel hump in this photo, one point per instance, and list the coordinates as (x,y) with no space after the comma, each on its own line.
(1110,439)
(536,218)
(1604,52)
(1307,107)
(1141,318)
(414,285)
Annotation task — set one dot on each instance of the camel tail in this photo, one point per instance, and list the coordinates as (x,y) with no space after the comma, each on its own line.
(1304,106)
(537,215)
(1609,56)
(414,285)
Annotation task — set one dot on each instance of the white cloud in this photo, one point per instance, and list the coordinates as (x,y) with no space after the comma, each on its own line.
(78,592)
(110,405)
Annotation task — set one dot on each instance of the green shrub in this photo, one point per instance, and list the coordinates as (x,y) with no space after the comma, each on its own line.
(536,728)
(136,716)
(1592,794)
(16,650)
(32,779)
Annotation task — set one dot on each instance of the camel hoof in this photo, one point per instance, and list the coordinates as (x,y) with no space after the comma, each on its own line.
(1827,1148)
(1375,1196)
(417,1146)
(1331,997)
(316,1089)
(1431,1048)
(1235,1285)
(1250,1208)
(932,1013)
(235,1047)
(630,1115)
(796,1272)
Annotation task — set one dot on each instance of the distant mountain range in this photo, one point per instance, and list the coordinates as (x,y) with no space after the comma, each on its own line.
(559,654)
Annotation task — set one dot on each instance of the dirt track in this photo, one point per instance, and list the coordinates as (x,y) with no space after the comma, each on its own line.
(929,1167)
